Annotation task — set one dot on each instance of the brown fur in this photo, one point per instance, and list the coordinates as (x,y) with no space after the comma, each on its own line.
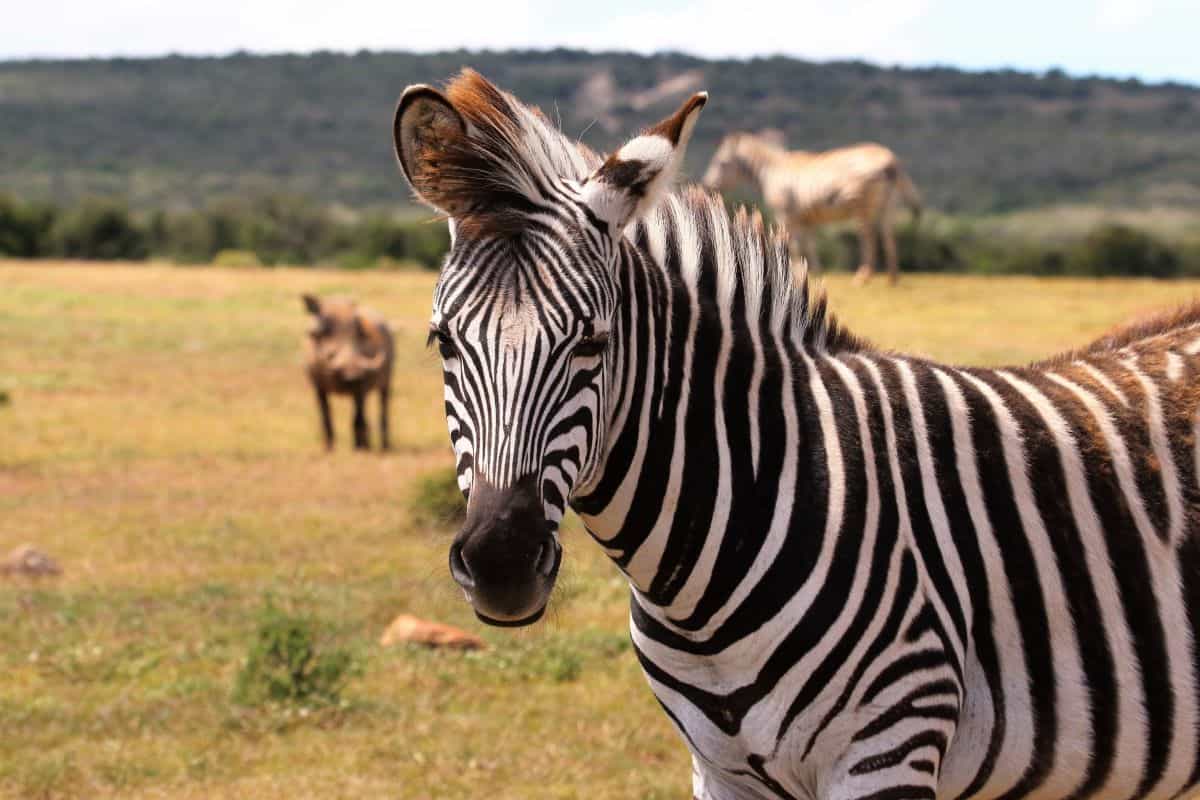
(471,170)
(349,350)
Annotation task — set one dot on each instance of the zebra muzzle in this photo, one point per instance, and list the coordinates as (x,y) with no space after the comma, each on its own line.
(506,557)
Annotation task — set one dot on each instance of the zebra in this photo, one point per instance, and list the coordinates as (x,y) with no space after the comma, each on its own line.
(806,189)
(853,573)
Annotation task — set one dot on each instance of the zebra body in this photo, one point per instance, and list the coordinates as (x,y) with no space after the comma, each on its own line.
(853,574)
(807,189)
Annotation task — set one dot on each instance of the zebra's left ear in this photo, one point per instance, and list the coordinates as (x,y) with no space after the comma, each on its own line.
(635,178)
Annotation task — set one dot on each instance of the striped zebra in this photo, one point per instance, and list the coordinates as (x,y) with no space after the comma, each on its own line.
(805,190)
(853,574)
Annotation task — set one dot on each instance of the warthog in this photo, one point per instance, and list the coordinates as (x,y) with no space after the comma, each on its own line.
(349,351)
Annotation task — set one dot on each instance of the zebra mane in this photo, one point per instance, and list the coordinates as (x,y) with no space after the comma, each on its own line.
(744,253)
(502,166)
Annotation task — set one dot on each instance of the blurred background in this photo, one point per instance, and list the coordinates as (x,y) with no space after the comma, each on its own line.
(194,592)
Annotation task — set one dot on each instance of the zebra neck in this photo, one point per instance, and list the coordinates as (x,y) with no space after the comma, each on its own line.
(707,427)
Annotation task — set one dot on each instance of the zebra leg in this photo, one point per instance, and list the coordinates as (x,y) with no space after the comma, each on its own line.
(887,233)
(889,253)
(866,251)
(802,249)
(810,252)
(795,246)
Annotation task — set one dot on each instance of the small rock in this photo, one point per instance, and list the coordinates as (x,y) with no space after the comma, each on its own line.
(30,562)
(407,628)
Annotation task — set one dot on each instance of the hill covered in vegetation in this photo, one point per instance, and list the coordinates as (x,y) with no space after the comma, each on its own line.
(178,132)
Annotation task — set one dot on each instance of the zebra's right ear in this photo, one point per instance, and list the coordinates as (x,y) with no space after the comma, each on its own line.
(633,179)
(424,128)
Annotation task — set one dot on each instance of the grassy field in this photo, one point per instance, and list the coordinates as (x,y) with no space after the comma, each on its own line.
(160,441)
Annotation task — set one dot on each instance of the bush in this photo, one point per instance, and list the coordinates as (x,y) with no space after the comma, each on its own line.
(101,230)
(926,250)
(1114,249)
(437,500)
(285,229)
(25,229)
(286,665)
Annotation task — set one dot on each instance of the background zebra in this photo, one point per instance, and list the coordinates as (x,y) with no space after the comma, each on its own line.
(853,574)
(803,189)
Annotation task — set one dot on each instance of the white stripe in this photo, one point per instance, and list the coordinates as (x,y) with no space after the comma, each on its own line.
(689,595)
(1168,591)
(1174,366)
(1162,452)
(1119,453)
(745,658)
(934,505)
(1132,744)
(1017,745)
(644,564)
(1192,347)
(905,519)
(1103,380)
(1069,686)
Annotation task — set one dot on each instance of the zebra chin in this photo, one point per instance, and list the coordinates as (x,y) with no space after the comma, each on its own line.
(506,557)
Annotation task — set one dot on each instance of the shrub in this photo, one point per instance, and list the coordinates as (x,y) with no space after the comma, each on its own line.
(101,230)
(437,500)
(926,250)
(287,665)
(1114,249)
(285,229)
(25,229)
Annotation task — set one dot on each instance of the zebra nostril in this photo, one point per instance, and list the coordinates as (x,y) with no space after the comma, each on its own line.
(459,569)
(547,559)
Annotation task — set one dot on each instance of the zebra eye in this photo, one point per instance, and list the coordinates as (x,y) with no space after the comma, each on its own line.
(444,342)
(591,346)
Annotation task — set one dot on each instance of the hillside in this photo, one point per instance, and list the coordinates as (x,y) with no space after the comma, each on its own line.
(180,131)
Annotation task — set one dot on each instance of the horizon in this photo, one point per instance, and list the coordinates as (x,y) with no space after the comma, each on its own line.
(600,52)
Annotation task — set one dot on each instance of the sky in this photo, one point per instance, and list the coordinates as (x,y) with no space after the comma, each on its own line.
(1154,40)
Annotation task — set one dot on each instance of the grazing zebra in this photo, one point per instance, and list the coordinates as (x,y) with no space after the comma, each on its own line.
(853,574)
(804,190)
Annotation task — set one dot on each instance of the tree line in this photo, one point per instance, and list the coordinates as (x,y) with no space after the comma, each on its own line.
(267,230)
(279,229)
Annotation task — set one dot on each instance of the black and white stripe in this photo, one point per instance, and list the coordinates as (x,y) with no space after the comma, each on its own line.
(854,574)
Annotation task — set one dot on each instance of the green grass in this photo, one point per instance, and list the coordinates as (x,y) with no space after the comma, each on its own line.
(160,441)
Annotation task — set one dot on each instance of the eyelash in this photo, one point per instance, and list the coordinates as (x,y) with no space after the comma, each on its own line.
(441,338)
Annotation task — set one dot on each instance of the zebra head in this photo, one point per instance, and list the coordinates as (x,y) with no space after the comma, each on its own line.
(738,157)
(525,315)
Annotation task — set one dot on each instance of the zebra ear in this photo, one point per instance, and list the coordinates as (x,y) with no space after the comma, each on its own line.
(633,179)
(424,127)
